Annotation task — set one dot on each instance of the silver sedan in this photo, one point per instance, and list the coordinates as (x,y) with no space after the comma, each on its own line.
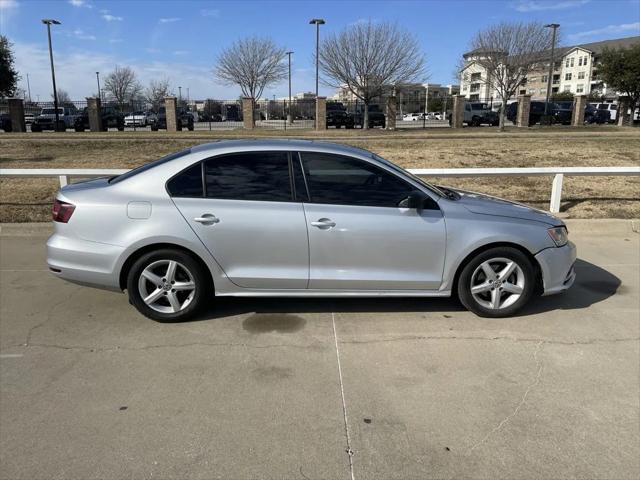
(300,219)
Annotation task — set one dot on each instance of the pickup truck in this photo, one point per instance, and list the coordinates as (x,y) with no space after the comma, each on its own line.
(47,119)
(478,113)
(159,121)
(111,118)
(337,116)
(376,117)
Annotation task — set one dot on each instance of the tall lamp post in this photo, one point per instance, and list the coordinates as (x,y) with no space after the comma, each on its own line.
(29,87)
(290,118)
(98,78)
(179,95)
(48,22)
(317,22)
(554,27)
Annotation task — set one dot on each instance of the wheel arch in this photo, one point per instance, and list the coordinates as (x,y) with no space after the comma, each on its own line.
(488,246)
(135,255)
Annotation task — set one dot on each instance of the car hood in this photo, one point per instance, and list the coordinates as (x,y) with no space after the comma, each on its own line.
(487,205)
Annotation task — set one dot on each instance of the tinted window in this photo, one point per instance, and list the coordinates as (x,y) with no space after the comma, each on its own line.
(187,183)
(258,176)
(347,181)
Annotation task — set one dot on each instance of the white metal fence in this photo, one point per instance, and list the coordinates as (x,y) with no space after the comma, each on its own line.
(558,173)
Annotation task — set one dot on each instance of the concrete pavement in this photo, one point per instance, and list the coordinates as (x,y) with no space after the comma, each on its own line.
(281,388)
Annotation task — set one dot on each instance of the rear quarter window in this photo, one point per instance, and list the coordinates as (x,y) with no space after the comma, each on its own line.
(187,183)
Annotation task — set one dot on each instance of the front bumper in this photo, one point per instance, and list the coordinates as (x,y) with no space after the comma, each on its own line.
(557,265)
(84,262)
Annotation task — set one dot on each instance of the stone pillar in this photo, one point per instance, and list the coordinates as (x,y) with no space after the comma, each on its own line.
(321,113)
(171,109)
(16,113)
(247,113)
(94,109)
(579,104)
(457,115)
(623,113)
(524,108)
(392,107)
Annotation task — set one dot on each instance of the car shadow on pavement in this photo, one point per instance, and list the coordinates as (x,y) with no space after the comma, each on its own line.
(593,284)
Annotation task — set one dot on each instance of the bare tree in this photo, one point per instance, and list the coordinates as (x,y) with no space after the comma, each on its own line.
(63,97)
(371,58)
(252,63)
(156,91)
(508,52)
(123,85)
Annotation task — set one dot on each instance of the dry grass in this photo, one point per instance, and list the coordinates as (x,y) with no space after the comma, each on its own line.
(584,197)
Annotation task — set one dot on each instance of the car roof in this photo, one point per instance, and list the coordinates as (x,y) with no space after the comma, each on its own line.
(279,144)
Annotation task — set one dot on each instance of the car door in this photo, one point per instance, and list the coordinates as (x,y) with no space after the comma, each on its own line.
(359,236)
(242,207)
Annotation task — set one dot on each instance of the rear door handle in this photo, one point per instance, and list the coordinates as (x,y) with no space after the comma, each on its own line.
(324,224)
(207,219)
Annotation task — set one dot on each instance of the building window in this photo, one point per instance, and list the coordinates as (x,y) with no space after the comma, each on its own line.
(474,98)
(464,88)
(543,91)
(556,79)
(555,90)
(544,78)
(567,88)
(522,92)
(572,61)
(533,79)
(531,91)
(567,63)
(580,75)
(580,88)
(580,61)
(475,87)
(557,65)
(585,60)
(567,76)
(475,77)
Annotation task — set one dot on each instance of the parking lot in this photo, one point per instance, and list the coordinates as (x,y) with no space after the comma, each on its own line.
(283,388)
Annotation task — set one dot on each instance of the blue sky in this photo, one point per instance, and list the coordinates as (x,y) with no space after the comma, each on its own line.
(180,40)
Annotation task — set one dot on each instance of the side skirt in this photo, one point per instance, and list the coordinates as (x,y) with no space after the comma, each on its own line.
(336,293)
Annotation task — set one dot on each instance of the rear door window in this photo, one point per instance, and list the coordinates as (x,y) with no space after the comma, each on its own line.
(256,176)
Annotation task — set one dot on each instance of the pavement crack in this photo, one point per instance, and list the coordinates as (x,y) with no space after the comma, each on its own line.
(523,400)
(27,341)
(153,347)
(504,337)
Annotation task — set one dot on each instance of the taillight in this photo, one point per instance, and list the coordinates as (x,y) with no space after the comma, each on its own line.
(62,211)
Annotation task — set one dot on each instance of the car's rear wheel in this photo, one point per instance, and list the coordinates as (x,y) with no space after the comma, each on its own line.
(497,282)
(167,285)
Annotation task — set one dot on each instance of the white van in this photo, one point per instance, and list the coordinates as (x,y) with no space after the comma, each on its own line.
(612,107)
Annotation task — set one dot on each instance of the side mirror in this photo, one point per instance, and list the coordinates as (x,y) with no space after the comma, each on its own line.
(414,200)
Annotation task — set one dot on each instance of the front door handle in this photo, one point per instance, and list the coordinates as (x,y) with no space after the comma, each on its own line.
(324,224)
(207,219)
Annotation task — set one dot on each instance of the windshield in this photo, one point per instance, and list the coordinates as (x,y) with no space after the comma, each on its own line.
(417,179)
(147,166)
(479,106)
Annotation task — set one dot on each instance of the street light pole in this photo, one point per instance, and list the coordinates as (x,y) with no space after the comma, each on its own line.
(29,88)
(98,78)
(554,27)
(317,22)
(179,95)
(48,22)
(290,119)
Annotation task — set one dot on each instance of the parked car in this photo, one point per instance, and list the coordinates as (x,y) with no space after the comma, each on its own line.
(612,108)
(478,113)
(413,117)
(5,122)
(28,118)
(300,218)
(47,119)
(591,114)
(137,119)
(376,117)
(159,121)
(558,112)
(111,118)
(337,116)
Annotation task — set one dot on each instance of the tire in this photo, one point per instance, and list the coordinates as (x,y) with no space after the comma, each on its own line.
(121,129)
(154,129)
(521,279)
(170,305)
(79,129)
(475,122)
(190,128)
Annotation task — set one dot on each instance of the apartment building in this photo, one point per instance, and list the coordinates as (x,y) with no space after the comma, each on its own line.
(411,97)
(575,71)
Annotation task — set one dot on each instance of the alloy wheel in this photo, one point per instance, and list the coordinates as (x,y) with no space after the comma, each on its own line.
(497,283)
(166,286)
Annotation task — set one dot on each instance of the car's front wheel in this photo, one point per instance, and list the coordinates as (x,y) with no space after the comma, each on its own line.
(497,282)
(168,285)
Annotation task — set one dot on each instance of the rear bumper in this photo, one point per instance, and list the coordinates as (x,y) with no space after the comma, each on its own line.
(84,262)
(557,265)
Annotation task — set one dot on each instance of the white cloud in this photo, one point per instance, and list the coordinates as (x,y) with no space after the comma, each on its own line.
(80,3)
(540,5)
(169,20)
(7,9)
(80,34)
(8,5)
(210,12)
(111,18)
(622,29)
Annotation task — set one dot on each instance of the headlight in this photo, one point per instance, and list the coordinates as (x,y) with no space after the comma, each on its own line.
(559,235)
